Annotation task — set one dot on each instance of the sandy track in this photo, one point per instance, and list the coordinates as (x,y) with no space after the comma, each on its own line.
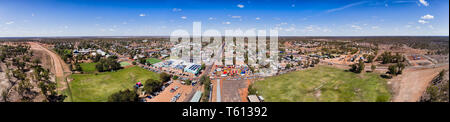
(60,67)
(412,84)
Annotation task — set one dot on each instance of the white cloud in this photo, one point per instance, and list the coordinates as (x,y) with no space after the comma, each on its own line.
(290,29)
(176,9)
(428,16)
(356,27)
(211,18)
(227,23)
(32,14)
(346,6)
(10,22)
(430,26)
(240,5)
(314,28)
(423,2)
(236,17)
(257,18)
(183,17)
(326,30)
(142,15)
(375,27)
(423,22)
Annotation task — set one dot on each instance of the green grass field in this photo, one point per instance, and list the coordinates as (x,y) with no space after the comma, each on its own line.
(152,60)
(124,64)
(97,88)
(323,84)
(88,67)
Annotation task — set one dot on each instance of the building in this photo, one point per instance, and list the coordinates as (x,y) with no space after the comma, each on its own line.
(193,68)
(101,52)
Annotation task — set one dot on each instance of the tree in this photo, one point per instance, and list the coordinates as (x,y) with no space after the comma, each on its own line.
(207,83)
(288,66)
(400,67)
(142,60)
(392,69)
(78,67)
(164,77)
(107,65)
(5,95)
(373,67)
(49,91)
(124,96)
(97,58)
(361,66)
(36,62)
(152,85)
(203,66)
(24,90)
(370,58)
(188,82)
(357,68)
(99,67)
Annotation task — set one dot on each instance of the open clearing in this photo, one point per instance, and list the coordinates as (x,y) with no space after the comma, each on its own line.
(97,88)
(88,67)
(323,84)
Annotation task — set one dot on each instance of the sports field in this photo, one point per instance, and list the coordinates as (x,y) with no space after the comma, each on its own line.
(323,84)
(152,60)
(88,67)
(97,88)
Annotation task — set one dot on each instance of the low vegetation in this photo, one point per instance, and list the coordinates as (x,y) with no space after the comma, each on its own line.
(324,84)
(438,90)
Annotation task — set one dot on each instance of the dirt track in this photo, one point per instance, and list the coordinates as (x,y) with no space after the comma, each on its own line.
(409,86)
(59,66)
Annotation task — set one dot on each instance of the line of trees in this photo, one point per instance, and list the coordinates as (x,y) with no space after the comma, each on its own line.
(387,57)
(396,69)
(204,80)
(107,64)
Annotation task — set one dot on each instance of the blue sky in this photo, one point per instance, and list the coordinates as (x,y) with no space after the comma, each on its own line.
(20,18)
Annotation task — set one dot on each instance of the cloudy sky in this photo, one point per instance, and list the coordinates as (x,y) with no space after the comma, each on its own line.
(21,18)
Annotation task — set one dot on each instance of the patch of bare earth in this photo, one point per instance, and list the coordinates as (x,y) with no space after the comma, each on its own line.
(409,86)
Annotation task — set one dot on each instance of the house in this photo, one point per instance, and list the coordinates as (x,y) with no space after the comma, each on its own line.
(101,52)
